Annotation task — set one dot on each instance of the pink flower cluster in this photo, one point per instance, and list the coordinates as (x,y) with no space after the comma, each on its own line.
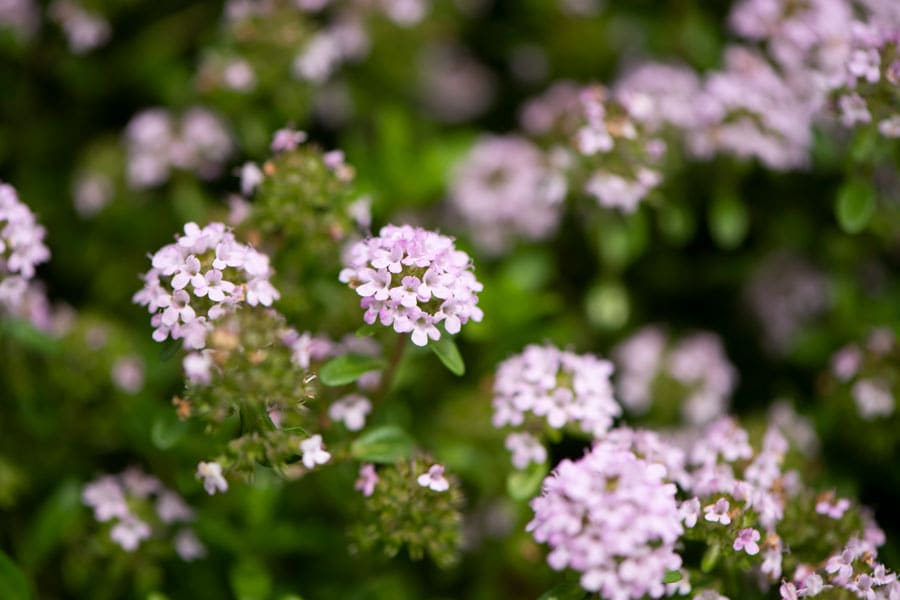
(868,87)
(505,188)
(748,110)
(698,362)
(21,248)
(605,130)
(115,497)
(205,274)
(613,516)
(157,143)
(557,386)
(413,279)
(807,37)
(342,38)
(760,485)
(660,95)
(868,371)
(854,568)
(617,151)
(85,30)
(785,294)
(21,16)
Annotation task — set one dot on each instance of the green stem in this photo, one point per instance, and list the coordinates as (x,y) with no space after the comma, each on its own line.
(387,377)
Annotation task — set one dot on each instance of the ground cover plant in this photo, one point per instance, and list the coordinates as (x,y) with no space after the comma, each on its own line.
(403,299)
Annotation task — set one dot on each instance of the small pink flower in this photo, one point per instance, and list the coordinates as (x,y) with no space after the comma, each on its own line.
(314,452)
(434,479)
(367,481)
(213,481)
(718,512)
(746,541)
(835,509)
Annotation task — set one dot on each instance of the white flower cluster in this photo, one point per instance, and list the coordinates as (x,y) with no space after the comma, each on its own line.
(413,279)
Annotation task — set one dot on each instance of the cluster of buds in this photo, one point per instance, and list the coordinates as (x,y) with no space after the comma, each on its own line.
(411,504)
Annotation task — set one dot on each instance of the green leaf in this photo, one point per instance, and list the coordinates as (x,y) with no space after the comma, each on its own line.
(676,222)
(386,444)
(526,483)
(728,221)
(366,331)
(347,369)
(167,430)
(607,305)
(672,576)
(446,350)
(169,349)
(27,335)
(565,591)
(855,205)
(13,584)
(250,580)
(710,558)
(53,522)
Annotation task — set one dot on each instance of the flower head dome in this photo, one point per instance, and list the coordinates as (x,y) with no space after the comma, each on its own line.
(413,279)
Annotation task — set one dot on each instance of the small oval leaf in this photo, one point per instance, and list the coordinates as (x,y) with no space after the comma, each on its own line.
(855,205)
(525,484)
(445,349)
(386,444)
(728,221)
(167,430)
(672,576)
(347,369)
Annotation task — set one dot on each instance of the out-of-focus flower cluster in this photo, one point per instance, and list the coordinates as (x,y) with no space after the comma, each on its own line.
(21,16)
(139,509)
(544,386)
(157,142)
(413,279)
(784,295)
(615,157)
(868,90)
(692,377)
(21,249)
(869,372)
(506,189)
(84,30)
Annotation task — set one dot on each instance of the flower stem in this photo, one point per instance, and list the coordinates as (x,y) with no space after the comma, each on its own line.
(387,377)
